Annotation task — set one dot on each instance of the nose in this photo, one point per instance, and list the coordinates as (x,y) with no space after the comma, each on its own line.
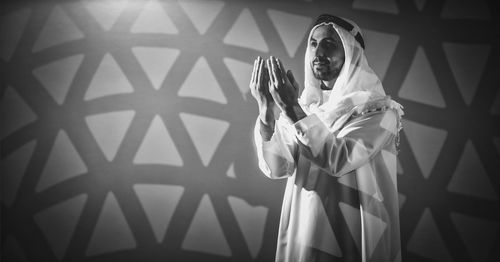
(321,50)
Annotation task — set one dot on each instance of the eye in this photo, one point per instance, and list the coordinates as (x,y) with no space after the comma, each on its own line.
(314,43)
(330,44)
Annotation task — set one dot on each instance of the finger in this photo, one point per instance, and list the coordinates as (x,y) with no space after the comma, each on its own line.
(276,79)
(291,78)
(281,67)
(265,73)
(254,72)
(265,78)
(287,82)
(273,92)
(277,70)
(260,73)
(270,72)
(269,87)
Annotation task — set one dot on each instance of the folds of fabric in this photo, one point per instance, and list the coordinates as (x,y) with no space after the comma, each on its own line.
(340,202)
(341,199)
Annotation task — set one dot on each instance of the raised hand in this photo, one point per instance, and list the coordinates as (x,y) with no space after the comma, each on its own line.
(284,89)
(259,87)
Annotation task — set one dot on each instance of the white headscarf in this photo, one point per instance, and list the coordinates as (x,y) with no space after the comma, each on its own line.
(356,89)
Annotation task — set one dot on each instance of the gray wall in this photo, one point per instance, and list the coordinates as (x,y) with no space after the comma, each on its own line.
(126,126)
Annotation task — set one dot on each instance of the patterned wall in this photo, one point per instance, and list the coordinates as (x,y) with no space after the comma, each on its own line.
(126,125)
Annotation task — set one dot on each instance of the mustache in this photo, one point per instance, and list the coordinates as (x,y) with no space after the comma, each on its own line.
(320,60)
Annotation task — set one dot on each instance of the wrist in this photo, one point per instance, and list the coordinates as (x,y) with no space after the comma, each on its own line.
(295,112)
(266,116)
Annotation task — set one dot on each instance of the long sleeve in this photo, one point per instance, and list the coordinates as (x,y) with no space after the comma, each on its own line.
(350,147)
(277,156)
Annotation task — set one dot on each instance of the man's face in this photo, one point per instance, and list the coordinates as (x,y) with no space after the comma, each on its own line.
(327,53)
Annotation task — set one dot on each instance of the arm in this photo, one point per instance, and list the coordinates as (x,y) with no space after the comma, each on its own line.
(352,147)
(276,149)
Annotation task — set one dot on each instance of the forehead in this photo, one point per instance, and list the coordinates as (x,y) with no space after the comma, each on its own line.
(325,31)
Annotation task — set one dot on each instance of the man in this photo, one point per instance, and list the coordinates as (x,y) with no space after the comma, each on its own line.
(336,145)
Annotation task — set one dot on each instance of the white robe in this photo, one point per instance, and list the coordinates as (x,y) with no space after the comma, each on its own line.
(341,198)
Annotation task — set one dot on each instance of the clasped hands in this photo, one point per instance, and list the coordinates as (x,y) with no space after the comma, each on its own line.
(272,86)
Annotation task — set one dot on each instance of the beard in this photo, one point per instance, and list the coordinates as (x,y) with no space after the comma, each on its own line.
(325,73)
(325,70)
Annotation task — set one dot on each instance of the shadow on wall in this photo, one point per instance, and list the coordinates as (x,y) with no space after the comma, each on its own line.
(126,126)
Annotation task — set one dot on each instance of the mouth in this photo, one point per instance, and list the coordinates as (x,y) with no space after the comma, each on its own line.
(320,60)
(321,66)
(320,63)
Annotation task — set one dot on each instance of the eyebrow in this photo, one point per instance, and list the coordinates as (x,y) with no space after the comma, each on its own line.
(329,38)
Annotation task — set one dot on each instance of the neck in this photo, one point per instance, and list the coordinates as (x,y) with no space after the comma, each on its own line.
(328,85)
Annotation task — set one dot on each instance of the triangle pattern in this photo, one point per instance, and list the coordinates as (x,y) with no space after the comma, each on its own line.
(57,76)
(109,129)
(325,240)
(201,83)
(12,102)
(202,13)
(470,177)
(63,163)
(12,170)
(111,232)
(106,13)
(108,80)
(426,143)
(466,9)
(386,6)
(251,221)
(352,217)
(367,183)
(58,29)
(467,63)
(158,146)
(159,203)
(420,4)
(156,62)
(241,73)
(11,29)
(67,214)
(12,250)
(420,84)
(426,240)
(477,234)
(380,48)
(230,171)
(206,134)
(374,229)
(205,233)
(390,161)
(246,33)
(153,19)
(291,28)
(349,181)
